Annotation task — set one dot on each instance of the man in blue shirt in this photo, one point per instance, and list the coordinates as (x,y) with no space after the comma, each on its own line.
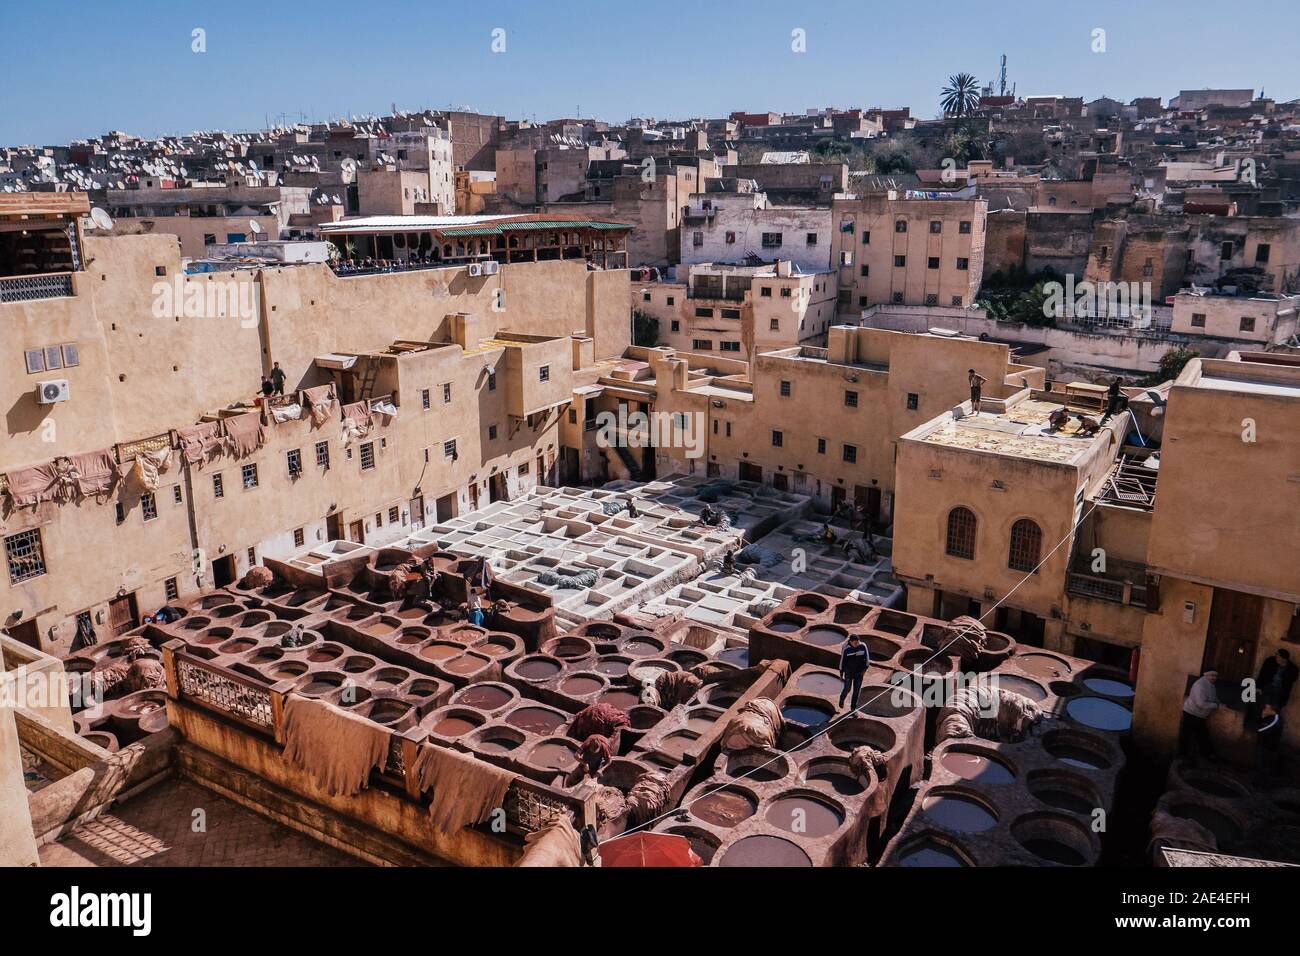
(854,661)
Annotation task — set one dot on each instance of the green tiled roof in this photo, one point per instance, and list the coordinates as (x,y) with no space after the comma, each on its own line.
(496,230)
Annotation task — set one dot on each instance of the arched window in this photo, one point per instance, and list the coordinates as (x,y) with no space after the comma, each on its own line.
(961,533)
(1026,544)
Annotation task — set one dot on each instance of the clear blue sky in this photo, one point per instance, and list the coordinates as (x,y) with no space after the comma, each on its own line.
(73,69)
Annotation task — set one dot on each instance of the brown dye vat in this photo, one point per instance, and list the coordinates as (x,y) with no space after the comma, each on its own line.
(976,767)
(957,811)
(537,668)
(412,613)
(642,647)
(677,743)
(613,667)
(1042,666)
(213,635)
(358,664)
(496,742)
(722,697)
(787,623)
(602,632)
(805,815)
(622,699)
(930,852)
(894,622)
(811,603)
(560,755)
(486,697)
(421,689)
(288,669)
(276,628)
(568,648)
(580,685)
(758,766)
(318,685)
(466,664)
(857,731)
(392,713)
(881,648)
(217,600)
(195,623)
(391,676)
(378,629)
(454,725)
(686,658)
(413,635)
(701,719)
(724,808)
(926,662)
(325,652)
(826,636)
(643,716)
(226,610)
(440,652)
(495,646)
(536,720)
(764,850)
(820,682)
(1019,685)
(851,613)
(238,645)
(265,655)
(844,783)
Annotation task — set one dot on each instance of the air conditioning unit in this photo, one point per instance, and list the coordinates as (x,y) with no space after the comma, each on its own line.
(475,269)
(491,267)
(54,390)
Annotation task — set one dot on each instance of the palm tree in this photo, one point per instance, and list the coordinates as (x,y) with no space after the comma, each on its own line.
(961,95)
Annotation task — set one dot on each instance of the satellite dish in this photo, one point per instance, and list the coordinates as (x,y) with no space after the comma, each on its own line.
(101,219)
(254,226)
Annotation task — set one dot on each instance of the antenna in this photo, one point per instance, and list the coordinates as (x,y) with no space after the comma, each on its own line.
(1002,79)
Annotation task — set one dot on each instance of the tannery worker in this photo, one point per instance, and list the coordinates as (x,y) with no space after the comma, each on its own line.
(854,661)
(975,379)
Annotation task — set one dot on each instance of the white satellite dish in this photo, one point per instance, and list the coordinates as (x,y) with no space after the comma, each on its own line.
(255,226)
(101,219)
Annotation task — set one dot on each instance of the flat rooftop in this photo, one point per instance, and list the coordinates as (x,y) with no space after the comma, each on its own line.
(1021,431)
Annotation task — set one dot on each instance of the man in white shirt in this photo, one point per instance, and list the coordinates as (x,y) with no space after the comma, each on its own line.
(1202,700)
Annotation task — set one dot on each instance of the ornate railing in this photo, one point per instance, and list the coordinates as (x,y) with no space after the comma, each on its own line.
(218,689)
(31,288)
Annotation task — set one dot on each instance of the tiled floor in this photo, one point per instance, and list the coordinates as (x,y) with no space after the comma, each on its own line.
(161,827)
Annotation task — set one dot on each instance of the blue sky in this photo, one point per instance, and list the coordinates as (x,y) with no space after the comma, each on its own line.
(71,69)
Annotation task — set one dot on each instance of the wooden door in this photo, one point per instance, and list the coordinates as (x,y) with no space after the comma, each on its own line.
(750,472)
(25,633)
(417,512)
(357,532)
(122,615)
(1230,639)
(473,496)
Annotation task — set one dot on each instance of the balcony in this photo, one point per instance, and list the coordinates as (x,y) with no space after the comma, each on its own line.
(1128,585)
(32,288)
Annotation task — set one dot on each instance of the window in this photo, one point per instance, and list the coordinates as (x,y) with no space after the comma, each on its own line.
(492,432)
(645,296)
(1225,250)
(248,475)
(24,555)
(900,225)
(148,506)
(932,298)
(1148,267)
(299,538)
(730,313)
(523,469)
(697,238)
(729,346)
(1198,320)
(368,456)
(961,533)
(394,515)
(176,494)
(425,402)
(913,401)
(1261,252)
(932,262)
(862,301)
(544,373)
(705,344)
(772,240)
(963,227)
(956,301)
(765,292)
(896,298)
(728,429)
(676,326)
(1104,254)
(171,590)
(866,237)
(702,313)
(936,226)
(209,238)
(323,454)
(1026,543)
(785,293)
(812,239)
(492,381)
(446,393)
(119,510)
(1247,323)
(293,459)
(865,271)
(218,487)
(785,388)
(850,398)
(449,449)
(962,264)
(252,557)
(900,261)
(850,454)
(670,300)
(821,446)
(72,359)
(774,325)
(778,439)
(731,238)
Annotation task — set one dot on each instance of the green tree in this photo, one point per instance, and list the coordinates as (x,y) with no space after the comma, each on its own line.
(645,330)
(1172,364)
(961,95)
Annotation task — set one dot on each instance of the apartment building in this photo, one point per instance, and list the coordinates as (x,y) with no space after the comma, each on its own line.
(125,437)
(732,221)
(1261,317)
(893,249)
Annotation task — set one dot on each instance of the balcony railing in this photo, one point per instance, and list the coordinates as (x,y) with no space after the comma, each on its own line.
(1115,590)
(31,288)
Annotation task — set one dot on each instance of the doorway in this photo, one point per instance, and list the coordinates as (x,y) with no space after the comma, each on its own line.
(357,532)
(473,496)
(333,527)
(25,633)
(542,477)
(1230,640)
(749,471)
(445,508)
(223,571)
(838,495)
(417,512)
(868,497)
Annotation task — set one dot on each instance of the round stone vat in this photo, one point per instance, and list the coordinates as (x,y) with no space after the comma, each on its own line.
(276,628)
(1099,714)
(805,812)
(810,603)
(808,711)
(558,754)
(958,809)
(786,623)
(489,697)
(195,623)
(398,715)
(1215,784)
(932,849)
(286,670)
(497,740)
(1108,686)
(413,635)
(1018,685)
(644,716)
(677,743)
(881,648)
(263,656)
(1227,831)
(536,668)
(389,675)
(764,850)
(725,806)
(467,664)
(833,773)
(701,719)
(822,683)
(583,684)
(568,647)
(997,648)
(501,646)
(322,653)
(320,683)
(102,738)
(213,635)
(254,618)
(850,613)
(1042,666)
(720,696)
(238,645)
(357,664)
(536,719)
(686,657)
(877,701)
(926,662)
(421,689)
(893,622)
(978,765)
(600,631)
(438,650)
(613,666)
(642,645)
(1055,838)
(1063,688)
(453,721)
(825,635)
(757,766)
(620,697)
(648,670)
(738,656)
(862,731)
(1078,749)
(1064,790)
(704,843)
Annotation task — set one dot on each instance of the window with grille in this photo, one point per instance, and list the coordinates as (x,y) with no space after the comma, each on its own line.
(778,439)
(449,449)
(424,399)
(821,446)
(772,240)
(785,387)
(248,475)
(368,456)
(252,557)
(176,494)
(492,381)
(148,506)
(446,393)
(171,590)
(323,454)
(913,401)
(1026,543)
(218,487)
(299,538)
(900,261)
(850,455)
(544,373)
(393,515)
(961,533)
(24,555)
(850,398)
(936,226)
(294,459)
(492,433)
(900,225)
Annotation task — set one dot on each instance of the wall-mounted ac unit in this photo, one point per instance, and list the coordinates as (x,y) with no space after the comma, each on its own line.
(475,268)
(53,390)
(491,267)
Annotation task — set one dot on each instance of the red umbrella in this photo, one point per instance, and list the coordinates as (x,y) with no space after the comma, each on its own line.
(649,849)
